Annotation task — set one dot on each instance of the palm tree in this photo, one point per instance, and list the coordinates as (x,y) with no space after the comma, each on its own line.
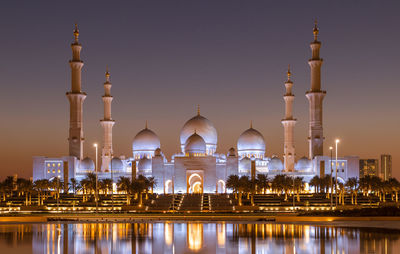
(3,191)
(395,187)
(73,184)
(233,183)
(41,186)
(9,185)
(298,186)
(152,183)
(124,185)
(352,185)
(316,183)
(262,182)
(89,184)
(244,187)
(25,187)
(106,185)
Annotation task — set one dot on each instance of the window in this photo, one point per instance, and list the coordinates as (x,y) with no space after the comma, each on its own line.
(59,171)
(54,171)
(48,171)
(48,164)
(59,164)
(54,164)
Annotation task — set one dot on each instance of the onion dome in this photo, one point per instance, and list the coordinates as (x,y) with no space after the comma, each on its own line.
(195,144)
(204,128)
(232,152)
(87,164)
(144,164)
(304,164)
(145,143)
(116,164)
(275,164)
(245,165)
(251,143)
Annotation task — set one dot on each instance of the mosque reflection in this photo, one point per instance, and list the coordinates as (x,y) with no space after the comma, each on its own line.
(168,237)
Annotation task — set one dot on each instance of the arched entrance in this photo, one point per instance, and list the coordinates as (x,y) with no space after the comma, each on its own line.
(221,186)
(168,187)
(195,183)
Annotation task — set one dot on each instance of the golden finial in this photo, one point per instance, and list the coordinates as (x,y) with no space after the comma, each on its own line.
(107,74)
(315,30)
(289,74)
(251,124)
(198,109)
(76,33)
(145,125)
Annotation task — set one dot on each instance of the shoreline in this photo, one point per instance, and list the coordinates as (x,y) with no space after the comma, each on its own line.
(387,222)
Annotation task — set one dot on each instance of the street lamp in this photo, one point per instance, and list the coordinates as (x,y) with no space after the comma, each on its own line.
(96,193)
(112,185)
(336,143)
(331,149)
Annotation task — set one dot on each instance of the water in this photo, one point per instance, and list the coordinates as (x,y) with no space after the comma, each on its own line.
(190,237)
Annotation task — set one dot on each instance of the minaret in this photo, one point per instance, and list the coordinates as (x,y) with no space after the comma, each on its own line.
(315,97)
(76,98)
(107,123)
(288,126)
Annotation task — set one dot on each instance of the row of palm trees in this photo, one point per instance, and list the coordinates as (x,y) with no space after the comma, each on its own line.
(89,187)
(285,184)
(280,184)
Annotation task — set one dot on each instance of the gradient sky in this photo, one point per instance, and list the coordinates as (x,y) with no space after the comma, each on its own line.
(165,57)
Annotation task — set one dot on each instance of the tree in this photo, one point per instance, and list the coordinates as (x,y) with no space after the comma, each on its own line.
(352,185)
(124,185)
(233,183)
(41,186)
(89,185)
(25,187)
(262,182)
(73,184)
(106,185)
(316,183)
(298,186)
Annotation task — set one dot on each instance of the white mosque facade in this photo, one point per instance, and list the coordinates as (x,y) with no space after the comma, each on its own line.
(197,168)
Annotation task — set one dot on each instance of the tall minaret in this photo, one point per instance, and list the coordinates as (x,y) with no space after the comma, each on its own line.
(315,97)
(288,126)
(76,98)
(107,123)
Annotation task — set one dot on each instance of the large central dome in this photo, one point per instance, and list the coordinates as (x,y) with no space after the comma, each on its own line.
(145,143)
(204,128)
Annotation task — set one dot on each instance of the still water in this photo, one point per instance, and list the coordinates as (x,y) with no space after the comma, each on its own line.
(189,237)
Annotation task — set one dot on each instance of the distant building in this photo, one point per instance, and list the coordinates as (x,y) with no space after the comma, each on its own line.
(369,167)
(386,166)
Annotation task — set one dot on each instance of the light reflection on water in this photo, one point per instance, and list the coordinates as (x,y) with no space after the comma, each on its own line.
(168,237)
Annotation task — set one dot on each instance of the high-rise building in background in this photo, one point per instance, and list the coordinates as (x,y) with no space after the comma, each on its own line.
(369,167)
(386,167)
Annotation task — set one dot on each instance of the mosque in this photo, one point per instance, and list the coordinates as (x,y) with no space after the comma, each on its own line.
(197,168)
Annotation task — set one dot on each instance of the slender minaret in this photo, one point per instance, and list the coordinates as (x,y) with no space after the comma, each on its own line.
(288,126)
(315,97)
(76,98)
(107,123)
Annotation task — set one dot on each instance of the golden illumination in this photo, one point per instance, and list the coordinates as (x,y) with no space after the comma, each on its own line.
(195,236)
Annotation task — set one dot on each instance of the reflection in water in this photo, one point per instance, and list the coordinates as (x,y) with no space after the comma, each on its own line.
(190,237)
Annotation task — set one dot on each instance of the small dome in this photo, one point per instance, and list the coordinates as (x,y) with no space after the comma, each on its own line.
(232,152)
(116,164)
(203,127)
(304,164)
(195,144)
(251,142)
(144,164)
(245,165)
(275,164)
(157,152)
(146,141)
(87,164)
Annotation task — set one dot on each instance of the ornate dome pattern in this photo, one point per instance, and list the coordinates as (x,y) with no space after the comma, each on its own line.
(195,144)
(275,164)
(203,127)
(145,141)
(87,164)
(116,164)
(251,141)
(304,164)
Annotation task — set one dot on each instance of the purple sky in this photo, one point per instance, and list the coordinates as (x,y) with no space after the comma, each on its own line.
(165,57)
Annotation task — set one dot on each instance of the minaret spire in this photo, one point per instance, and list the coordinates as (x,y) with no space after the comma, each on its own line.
(76,98)
(315,97)
(107,123)
(288,126)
